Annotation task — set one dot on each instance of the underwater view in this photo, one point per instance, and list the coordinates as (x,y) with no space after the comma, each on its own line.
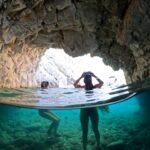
(123,125)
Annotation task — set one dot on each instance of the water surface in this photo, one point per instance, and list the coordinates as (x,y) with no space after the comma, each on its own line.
(126,122)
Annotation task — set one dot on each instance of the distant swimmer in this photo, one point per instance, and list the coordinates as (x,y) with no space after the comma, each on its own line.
(86,113)
(52,131)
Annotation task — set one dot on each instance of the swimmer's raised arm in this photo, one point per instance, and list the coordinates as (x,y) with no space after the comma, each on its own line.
(100,84)
(76,83)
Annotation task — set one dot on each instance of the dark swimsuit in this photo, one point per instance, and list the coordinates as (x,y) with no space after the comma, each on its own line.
(86,113)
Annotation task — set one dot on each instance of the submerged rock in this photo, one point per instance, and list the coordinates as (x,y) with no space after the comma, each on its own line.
(117,145)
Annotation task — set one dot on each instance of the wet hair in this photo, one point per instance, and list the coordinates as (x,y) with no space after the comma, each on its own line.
(87,78)
(88,81)
(44,84)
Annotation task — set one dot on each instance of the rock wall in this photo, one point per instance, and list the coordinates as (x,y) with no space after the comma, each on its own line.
(19,69)
(124,29)
(118,31)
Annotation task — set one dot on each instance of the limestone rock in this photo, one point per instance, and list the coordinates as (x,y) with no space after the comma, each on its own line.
(118,31)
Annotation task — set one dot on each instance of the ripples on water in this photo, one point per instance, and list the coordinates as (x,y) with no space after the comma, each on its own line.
(126,123)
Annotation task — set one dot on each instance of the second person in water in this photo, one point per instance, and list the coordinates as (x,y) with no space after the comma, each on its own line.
(52,131)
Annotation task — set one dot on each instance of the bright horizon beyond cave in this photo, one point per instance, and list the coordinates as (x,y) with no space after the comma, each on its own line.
(57,66)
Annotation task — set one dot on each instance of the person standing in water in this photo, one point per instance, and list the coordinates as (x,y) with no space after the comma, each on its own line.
(52,131)
(86,113)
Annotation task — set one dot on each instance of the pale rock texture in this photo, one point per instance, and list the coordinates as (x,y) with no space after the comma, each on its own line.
(58,70)
(118,31)
(19,69)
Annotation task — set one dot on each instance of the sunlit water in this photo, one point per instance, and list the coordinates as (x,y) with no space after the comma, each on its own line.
(126,123)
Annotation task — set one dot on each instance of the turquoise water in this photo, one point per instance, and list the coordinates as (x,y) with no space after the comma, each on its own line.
(126,123)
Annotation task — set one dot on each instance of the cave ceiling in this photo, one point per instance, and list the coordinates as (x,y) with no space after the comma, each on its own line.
(118,31)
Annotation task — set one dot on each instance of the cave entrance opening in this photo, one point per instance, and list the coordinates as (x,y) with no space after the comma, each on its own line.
(61,70)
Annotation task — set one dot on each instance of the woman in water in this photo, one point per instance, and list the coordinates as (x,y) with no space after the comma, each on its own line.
(52,131)
(86,113)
